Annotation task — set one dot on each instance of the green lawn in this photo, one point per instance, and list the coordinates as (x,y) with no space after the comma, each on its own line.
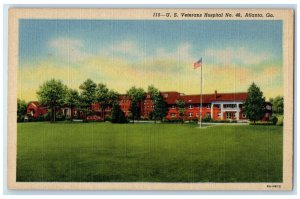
(104,152)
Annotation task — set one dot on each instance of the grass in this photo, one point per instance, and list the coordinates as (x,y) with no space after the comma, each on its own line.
(104,152)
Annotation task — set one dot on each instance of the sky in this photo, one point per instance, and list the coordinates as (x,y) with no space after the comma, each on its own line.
(125,53)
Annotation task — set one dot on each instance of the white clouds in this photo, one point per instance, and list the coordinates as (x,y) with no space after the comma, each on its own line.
(240,55)
(181,53)
(72,50)
(126,48)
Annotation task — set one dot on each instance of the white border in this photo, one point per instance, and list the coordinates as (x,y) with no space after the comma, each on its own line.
(3,90)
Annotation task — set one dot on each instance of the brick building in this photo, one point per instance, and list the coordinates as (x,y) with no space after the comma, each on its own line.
(218,106)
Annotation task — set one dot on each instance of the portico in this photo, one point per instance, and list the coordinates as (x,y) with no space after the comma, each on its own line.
(231,109)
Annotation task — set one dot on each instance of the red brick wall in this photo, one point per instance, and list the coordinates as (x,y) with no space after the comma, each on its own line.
(36,109)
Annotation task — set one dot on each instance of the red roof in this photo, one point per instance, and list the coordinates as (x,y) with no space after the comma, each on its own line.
(206,98)
(172,96)
(36,103)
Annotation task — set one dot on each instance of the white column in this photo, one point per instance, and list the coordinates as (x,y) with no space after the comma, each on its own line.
(212,111)
(222,113)
(238,112)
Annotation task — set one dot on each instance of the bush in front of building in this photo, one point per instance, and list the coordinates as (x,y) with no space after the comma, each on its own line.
(108,118)
(280,120)
(20,118)
(117,115)
(261,123)
(60,117)
(223,121)
(173,120)
(207,119)
(274,120)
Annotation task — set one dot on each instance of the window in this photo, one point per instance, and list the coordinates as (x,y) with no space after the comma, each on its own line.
(190,114)
(244,115)
(208,106)
(228,115)
(229,105)
(190,106)
(173,115)
(31,112)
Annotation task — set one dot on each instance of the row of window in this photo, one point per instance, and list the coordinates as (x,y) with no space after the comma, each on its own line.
(190,106)
(229,115)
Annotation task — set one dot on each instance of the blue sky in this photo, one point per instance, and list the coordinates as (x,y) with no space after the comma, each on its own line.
(122,53)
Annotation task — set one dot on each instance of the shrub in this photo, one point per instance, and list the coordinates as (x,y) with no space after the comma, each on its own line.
(280,120)
(195,120)
(40,118)
(274,120)
(108,118)
(207,119)
(47,117)
(261,123)
(60,117)
(173,120)
(20,118)
(117,115)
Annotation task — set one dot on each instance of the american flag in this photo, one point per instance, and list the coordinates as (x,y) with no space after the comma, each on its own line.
(198,64)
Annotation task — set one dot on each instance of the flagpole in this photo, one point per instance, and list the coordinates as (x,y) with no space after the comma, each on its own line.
(200,111)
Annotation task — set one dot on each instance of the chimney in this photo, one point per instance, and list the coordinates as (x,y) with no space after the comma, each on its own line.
(216,94)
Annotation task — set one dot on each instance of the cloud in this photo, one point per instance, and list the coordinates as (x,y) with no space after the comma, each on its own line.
(240,55)
(124,48)
(71,50)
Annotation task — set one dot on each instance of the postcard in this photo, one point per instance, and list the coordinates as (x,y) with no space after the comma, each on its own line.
(150,99)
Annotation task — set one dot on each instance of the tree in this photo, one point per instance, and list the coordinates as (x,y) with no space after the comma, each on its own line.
(105,97)
(154,92)
(52,94)
(21,109)
(160,109)
(87,96)
(118,116)
(72,100)
(255,103)
(181,108)
(277,104)
(136,96)
(159,104)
